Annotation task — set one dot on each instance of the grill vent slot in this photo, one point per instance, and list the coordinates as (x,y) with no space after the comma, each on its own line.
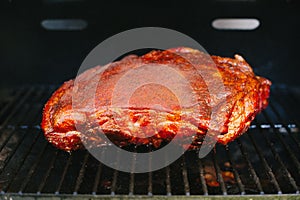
(64,24)
(245,24)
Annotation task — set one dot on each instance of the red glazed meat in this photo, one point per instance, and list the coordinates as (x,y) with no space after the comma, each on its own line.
(154,115)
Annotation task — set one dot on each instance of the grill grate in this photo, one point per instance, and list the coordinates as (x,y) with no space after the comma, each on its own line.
(264,161)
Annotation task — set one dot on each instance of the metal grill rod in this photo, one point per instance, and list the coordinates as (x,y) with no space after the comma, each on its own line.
(40,95)
(266,165)
(6,139)
(51,165)
(202,179)
(218,172)
(132,178)
(250,167)
(62,178)
(10,153)
(168,179)
(14,172)
(98,174)
(150,192)
(284,124)
(168,182)
(114,182)
(278,159)
(287,148)
(131,184)
(10,104)
(185,177)
(16,166)
(81,174)
(290,112)
(17,107)
(236,174)
(32,169)
(115,176)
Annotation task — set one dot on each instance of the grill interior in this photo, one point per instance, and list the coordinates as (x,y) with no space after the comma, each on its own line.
(266,160)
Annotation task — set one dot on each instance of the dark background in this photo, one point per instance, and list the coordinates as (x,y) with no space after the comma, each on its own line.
(30,54)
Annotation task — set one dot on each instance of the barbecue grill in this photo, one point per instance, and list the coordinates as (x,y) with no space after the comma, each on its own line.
(263,163)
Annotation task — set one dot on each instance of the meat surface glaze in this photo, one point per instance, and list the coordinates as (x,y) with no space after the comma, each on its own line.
(144,123)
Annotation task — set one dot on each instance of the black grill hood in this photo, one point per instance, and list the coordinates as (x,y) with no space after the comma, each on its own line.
(32,54)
